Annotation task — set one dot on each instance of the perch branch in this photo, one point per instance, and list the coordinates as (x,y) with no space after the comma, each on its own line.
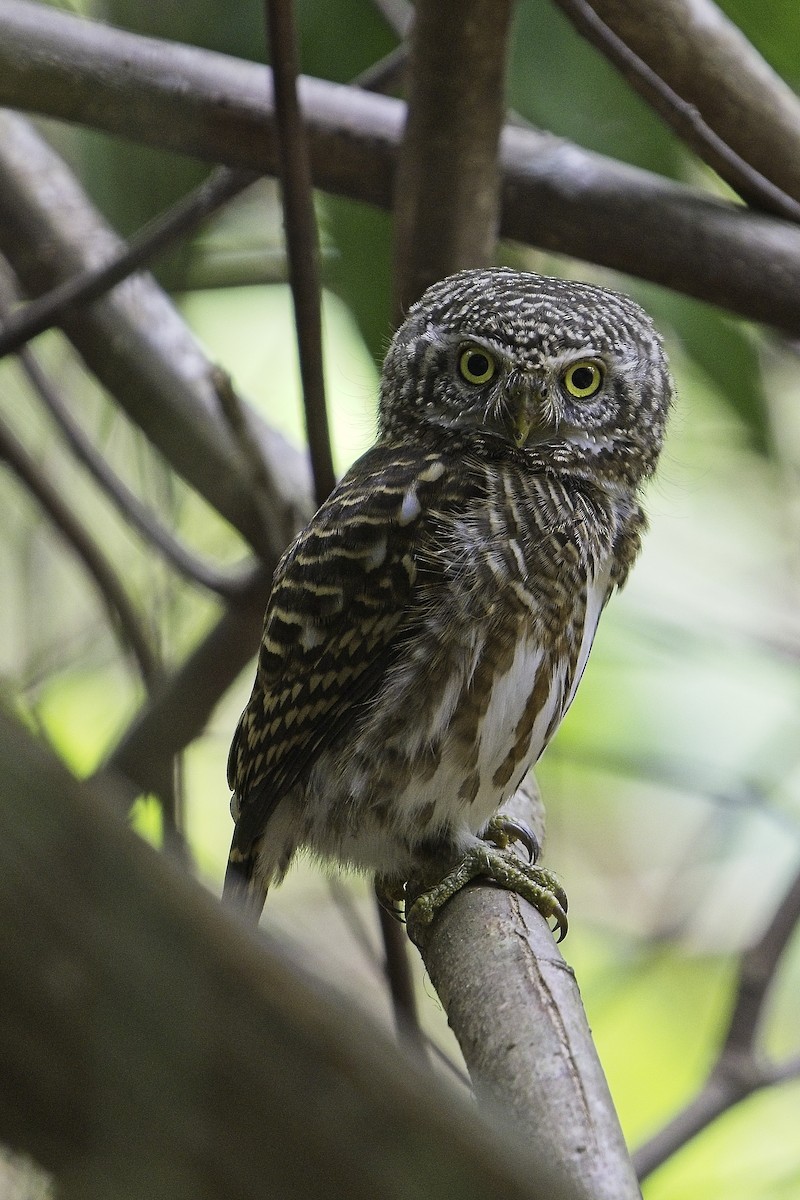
(514,1005)
(555,195)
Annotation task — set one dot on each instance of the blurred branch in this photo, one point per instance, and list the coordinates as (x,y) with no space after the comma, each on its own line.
(138,515)
(398,15)
(739,1070)
(302,241)
(134,341)
(681,116)
(555,195)
(177,222)
(179,710)
(399,979)
(238,420)
(209,1063)
(514,1005)
(706,59)
(446,190)
(757,971)
(386,73)
(124,618)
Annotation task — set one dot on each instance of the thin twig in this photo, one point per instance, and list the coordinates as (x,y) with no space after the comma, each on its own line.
(178,221)
(400,980)
(301,238)
(342,897)
(137,514)
(234,411)
(124,618)
(684,118)
(388,72)
(739,1069)
(707,59)
(398,15)
(757,971)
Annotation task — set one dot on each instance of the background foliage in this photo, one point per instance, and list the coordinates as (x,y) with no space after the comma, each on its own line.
(673,789)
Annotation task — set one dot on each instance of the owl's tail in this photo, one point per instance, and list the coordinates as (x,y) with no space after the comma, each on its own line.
(242,888)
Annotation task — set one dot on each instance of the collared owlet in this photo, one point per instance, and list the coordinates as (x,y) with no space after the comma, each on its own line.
(427,630)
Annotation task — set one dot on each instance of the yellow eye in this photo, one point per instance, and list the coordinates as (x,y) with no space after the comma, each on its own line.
(583,379)
(476,365)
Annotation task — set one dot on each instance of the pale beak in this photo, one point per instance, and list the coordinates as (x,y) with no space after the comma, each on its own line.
(521,426)
(528,417)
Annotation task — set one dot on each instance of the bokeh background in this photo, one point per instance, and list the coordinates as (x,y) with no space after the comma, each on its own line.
(673,788)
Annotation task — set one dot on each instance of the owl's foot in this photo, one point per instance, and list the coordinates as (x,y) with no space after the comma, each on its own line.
(497,862)
(504,831)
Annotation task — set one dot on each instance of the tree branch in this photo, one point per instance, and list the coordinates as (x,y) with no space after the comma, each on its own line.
(179,710)
(151,1045)
(757,971)
(447,184)
(134,341)
(739,1070)
(177,222)
(137,514)
(124,619)
(302,242)
(515,1008)
(707,60)
(681,116)
(555,195)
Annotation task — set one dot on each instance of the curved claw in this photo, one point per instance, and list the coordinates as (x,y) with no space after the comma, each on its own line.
(502,831)
(535,884)
(391,895)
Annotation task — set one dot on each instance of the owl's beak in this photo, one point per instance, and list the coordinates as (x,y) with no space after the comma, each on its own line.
(521,426)
(529,421)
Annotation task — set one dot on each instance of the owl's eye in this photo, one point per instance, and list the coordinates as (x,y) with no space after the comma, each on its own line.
(583,379)
(476,365)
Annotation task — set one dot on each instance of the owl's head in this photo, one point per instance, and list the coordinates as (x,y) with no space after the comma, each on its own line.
(566,374)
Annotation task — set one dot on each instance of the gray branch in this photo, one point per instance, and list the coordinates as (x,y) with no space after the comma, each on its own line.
(133,340)
(709,62)
(740,1068)
(516,1010)
(447,187)
(685,118)
(555,195)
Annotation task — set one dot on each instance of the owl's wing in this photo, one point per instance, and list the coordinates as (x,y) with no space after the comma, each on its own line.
(339,603)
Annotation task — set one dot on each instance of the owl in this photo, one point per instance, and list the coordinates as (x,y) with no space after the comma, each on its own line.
(427,630)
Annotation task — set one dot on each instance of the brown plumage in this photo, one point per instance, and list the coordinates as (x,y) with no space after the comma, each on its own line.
(427,630)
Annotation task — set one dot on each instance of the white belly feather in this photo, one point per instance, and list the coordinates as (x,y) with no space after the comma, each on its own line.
(510,695)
